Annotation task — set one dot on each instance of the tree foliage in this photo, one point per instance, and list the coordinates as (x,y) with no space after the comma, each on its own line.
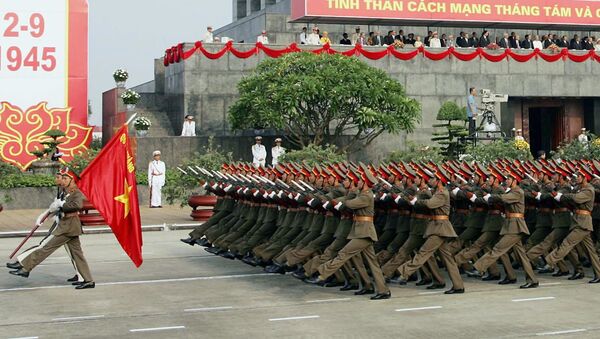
(315,98)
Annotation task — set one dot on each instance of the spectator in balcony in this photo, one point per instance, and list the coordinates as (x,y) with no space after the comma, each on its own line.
(484,40)
(345,40)
(377,39)
(313,38)
(563,42)
(325,39)
(418,43)
(355,35)
(515,42)
(434,41)
(527,43)
(473,40)
(555,39)
(389,38)
(586,44)
(401,36)
(537,43)
(450,41)
(303,36)
(575,43)
(263,38)
(189,127)
(444,41)
(361,39)
(546,42)
(597,46)
(208,37)
(427,38)
(462,40)
(504,43)
(410,40)
(511,37)
(370,39)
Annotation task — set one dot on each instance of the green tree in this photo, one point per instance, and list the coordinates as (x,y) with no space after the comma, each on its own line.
(315,98)
(450,138)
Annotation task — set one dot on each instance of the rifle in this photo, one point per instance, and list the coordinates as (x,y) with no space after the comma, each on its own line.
(39,221)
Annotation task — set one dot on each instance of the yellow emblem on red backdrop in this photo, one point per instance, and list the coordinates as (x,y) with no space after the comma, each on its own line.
(22,131)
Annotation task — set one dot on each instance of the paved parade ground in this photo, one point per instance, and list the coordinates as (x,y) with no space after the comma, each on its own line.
(184,292)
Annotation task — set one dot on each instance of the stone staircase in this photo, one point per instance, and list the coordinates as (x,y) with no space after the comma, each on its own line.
(161,124)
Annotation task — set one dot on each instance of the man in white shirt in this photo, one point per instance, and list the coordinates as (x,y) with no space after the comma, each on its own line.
(208,37)
(583,137)
(263,38)
(277,151)
(313,38)
(259,153)
(189,127)
(303,36)
(519,135)
(156,180)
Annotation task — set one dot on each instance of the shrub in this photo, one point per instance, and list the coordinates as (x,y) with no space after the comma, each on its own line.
(500,149)
(575,150)
(416,152)
(314,154)
(26,180)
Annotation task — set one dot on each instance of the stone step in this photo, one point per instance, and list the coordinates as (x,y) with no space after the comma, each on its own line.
(161,125)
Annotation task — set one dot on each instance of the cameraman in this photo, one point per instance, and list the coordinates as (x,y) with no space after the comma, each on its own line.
(471,110)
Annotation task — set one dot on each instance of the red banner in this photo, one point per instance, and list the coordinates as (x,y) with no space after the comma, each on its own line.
(43,77)
(547,12)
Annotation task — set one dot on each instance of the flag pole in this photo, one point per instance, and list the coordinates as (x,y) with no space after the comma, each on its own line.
(131,118)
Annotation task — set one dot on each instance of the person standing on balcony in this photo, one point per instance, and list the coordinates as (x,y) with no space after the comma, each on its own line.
(189,127)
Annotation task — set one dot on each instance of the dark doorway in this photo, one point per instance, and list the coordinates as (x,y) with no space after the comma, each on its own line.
(545,128)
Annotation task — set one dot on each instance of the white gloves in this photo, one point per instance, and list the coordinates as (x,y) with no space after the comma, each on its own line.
(326,204)
(473,198)
(507,190)
(557,197)
(311,201)
(538,196)
(455,190)
(383,196)
(338,206)
(413,201)
(486,197)
(227,188)
(397,199)
(272,195)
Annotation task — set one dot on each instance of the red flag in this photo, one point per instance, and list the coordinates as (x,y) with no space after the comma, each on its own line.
(109,184)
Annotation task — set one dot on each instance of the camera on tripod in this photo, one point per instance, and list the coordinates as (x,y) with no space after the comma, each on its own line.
(488,97)
(489,122)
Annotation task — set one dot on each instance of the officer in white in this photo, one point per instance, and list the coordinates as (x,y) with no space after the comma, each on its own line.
(156,180)
(583,137)
(263,38)
(277,151)
(189,127)
(259,153)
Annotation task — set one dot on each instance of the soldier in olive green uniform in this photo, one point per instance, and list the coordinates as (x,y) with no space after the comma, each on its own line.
(581,226)
(512,232)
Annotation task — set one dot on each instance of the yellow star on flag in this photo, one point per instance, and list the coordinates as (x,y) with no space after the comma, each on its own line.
(124,198)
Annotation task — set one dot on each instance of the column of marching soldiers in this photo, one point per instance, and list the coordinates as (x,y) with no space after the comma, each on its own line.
(361,226)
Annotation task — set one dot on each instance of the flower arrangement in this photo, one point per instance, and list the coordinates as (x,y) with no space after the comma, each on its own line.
(554,48)
(130,97)
(521,145)
(493,46)
(142,124)
(120,75)
(596,142)
(398,44)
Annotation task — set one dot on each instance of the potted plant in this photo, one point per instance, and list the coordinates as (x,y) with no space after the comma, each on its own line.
(142,125)
(554,48)
(44,164)
(120,76)
(493,46)
(130,98)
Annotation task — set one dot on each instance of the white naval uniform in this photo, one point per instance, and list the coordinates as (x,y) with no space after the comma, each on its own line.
(189,129)
(276,152)
(156,180)
(259,154)
(313,39)
(263,39)
(208,38)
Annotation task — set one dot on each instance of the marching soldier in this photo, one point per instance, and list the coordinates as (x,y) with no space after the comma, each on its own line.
(66,233)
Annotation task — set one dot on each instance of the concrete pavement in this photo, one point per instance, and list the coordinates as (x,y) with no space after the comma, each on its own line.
(183,292)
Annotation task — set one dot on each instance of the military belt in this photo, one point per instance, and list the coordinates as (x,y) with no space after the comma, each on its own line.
(71,214)
(583,212)
(561,210)
(479,209)
(461,211)
(363,218)
(404,212)
(515,215)
(420,216)
(494,212)
(545,210)
(439,217)
(329,214)
(394,211)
